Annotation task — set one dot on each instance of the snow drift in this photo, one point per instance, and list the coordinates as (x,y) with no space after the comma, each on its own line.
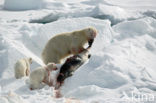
(117,67)
(123,54)
(22,4)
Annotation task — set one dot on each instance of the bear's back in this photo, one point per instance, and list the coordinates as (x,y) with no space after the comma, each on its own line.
(20,64)
(39,72)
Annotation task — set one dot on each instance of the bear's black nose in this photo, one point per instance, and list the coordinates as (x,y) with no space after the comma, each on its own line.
(89,55)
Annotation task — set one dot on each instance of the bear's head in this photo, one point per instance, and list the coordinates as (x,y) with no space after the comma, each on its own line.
(51,66)
(91,32)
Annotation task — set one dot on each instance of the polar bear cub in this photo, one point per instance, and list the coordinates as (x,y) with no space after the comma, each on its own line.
(41,75)
(22,67)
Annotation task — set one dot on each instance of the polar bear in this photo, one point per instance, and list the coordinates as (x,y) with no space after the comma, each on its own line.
(41,75)
(65,44)
(22,67)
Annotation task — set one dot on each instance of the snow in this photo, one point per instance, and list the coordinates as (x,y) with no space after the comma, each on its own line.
(122,66)
(135,4)
(136,28)
(22,4)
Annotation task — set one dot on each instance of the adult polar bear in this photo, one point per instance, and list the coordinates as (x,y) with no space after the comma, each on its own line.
(22,67)
(64,44)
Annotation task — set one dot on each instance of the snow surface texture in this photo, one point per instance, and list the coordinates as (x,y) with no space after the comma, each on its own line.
(122,66)
(22,4)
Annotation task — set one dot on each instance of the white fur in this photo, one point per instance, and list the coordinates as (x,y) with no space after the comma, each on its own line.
(62,45)
(22,67)
(41,74)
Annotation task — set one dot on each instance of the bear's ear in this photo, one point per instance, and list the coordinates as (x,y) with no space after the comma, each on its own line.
(30,60)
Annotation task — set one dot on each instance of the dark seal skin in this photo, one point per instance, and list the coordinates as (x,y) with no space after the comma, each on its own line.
(70,66)
(90,42)
(67,68)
